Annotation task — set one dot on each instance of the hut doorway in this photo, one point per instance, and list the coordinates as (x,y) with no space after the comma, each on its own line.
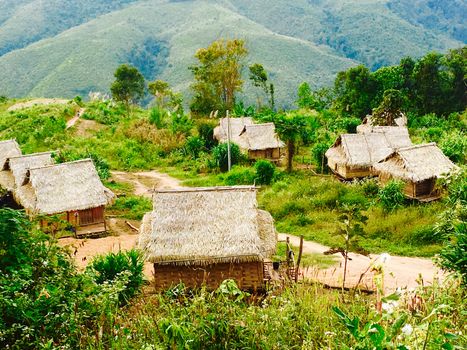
(91,216)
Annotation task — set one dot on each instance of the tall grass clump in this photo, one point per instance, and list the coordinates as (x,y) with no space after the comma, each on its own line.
(391,196)
(265,171)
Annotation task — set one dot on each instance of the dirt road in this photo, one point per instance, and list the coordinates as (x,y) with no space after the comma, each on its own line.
(145,182)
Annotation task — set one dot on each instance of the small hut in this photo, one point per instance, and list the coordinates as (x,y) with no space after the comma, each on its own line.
(8,148)
(14,169)
(72,190)
(352,155)
(259,141)
(418,167)
(368,124)
(202,236)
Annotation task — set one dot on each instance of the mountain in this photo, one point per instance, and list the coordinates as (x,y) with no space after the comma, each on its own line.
(66,47)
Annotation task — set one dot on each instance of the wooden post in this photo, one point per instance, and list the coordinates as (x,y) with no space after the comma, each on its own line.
(299,259)
(229,161)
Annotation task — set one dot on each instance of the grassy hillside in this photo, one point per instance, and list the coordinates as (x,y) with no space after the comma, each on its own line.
(52,50)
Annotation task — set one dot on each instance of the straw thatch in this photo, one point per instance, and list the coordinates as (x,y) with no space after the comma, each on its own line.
(236,127)
(8,148)
(247,135)
(63,187)
(207,225)
(416,163)
(259,137)
(368,123)
(362,150)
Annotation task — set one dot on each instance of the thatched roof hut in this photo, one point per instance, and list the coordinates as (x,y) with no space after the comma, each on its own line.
(219,229)
(8,148)
(258,140)
(368,124)
(14,170)
(236,127)
(418,166)
(62,188)
(352,155)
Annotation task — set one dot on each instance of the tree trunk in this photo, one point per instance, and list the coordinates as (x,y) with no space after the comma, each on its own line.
(290,154)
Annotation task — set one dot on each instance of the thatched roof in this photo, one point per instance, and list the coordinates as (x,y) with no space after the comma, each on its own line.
(8,148)
(63,187)
(247,135)
(360,150)
(207,225)
(15,168)
(416,163)
(236,127)
(259,137)
(368,124)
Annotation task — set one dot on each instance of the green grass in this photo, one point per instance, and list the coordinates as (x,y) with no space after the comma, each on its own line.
(308,205)
(130,207)
(315,260)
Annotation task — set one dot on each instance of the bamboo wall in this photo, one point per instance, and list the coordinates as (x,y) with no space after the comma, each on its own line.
(347,172)
(247,275)
(271,154)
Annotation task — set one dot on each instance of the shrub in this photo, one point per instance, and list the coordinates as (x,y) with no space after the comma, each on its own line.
(239,176)
(454,145)
(391,196)
(370,187)
(108,268)
(221,157)
(102,167)
(264,172)
(194,145)
(157,117)
(3,99)
(206,133)
(181,124)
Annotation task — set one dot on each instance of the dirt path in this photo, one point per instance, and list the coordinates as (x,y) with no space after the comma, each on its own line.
(145,182)
(398,271)
(73,120)
(37,102)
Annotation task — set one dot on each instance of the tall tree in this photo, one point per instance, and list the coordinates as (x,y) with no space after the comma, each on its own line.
(165,97)
(389,109)
(318,100)
(355,90)
(128,86)
(218,75)
(259,77)
(290,127)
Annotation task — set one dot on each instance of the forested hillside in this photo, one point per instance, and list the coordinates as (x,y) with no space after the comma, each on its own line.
(68,48)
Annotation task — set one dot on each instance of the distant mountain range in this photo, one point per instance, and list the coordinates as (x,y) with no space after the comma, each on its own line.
(63,48)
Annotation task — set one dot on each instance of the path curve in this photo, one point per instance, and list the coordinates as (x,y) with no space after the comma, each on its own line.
(399,271)
(146,181)
(73,120)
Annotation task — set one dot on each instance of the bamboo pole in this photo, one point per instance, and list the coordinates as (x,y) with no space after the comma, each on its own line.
(299,259)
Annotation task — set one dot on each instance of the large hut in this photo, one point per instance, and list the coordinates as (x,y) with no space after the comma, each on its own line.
(8,148)
(418,167)
(352,155)
(72,190)
(14,169)
(202,236)
(368,123)
(259,141)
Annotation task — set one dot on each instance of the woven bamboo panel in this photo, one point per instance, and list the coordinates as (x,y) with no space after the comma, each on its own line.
(248,275)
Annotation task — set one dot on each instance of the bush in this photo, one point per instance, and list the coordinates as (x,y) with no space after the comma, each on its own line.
(239,176)
(181,124)
(157,117)
(194,145)
(370,187)
(221,158)
(206,133)
(3,99)
(264,172)
(102,167)
(108,268)
(391,196)
(454,145)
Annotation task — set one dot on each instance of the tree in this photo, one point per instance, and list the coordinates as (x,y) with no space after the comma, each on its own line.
(354,90)
(218,75)
(389,109)
(259,77)
(290,128)
(351,228)
(128,86)
(317,100)
(165,97)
